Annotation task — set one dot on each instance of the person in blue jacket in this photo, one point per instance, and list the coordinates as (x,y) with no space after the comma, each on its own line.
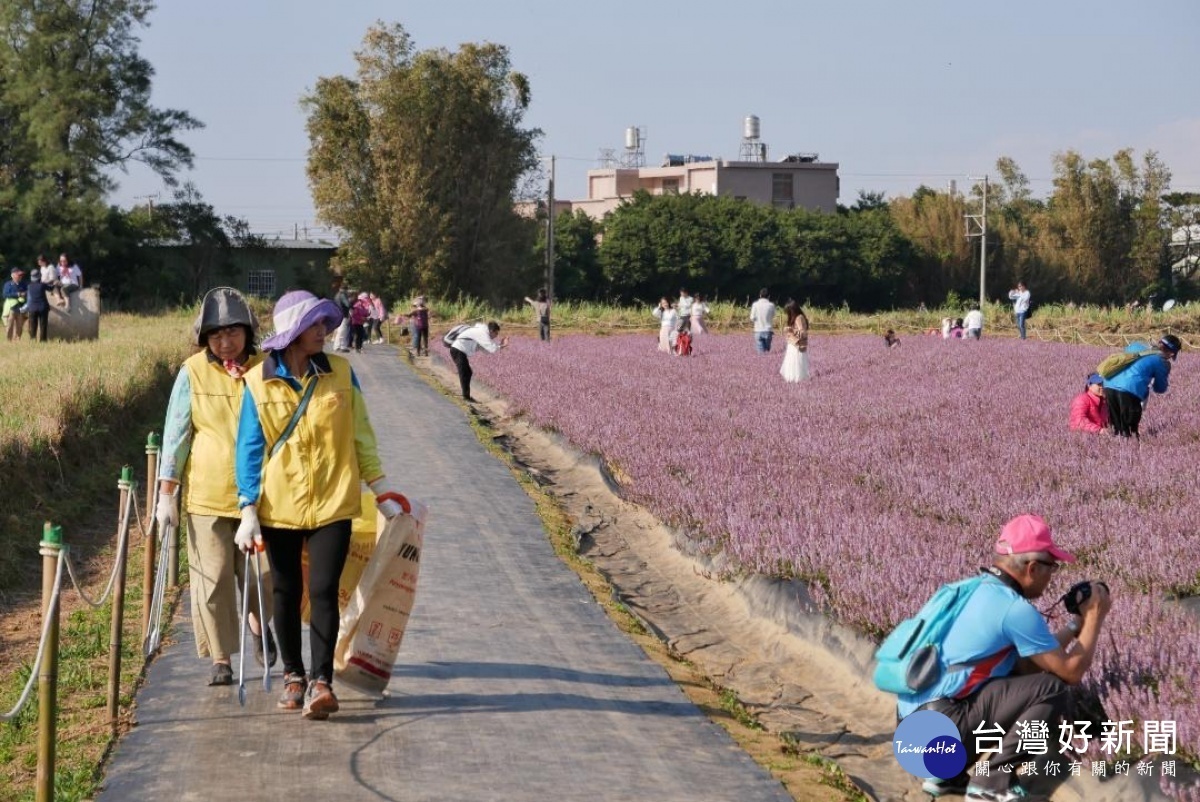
(37,307)
(1128,391)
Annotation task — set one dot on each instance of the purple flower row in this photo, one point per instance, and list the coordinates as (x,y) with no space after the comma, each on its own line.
(892,471)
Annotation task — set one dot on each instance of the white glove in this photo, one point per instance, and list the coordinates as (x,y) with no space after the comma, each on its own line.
(249,533)
(388,500)
(166,512)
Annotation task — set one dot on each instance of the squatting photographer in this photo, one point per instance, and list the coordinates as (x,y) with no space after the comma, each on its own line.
(1003,662)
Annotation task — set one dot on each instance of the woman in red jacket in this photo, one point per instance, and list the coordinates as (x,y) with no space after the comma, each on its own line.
(1089,412)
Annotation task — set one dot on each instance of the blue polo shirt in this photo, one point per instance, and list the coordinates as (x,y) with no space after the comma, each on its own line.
(996,627)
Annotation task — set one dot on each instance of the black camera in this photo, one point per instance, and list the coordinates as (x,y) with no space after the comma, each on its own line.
(1078,594)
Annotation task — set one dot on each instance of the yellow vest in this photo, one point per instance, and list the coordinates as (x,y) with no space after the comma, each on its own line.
(209,478)
(314,479)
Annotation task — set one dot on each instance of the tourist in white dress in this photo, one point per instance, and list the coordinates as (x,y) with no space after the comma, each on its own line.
(795,358)
(700,310)
(668,319)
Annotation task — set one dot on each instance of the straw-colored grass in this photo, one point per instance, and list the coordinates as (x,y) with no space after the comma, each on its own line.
(64,409)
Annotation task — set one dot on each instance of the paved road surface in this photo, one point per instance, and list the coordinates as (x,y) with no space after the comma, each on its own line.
(512,684)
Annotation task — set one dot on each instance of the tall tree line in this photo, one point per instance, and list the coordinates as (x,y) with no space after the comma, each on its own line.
(417,159)
(75,107)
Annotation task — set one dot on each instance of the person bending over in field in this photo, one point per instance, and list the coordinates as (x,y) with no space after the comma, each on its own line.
(1128,391)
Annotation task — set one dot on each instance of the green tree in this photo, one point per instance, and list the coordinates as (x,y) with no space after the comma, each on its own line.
(577,271)
(74,107)
(418,159)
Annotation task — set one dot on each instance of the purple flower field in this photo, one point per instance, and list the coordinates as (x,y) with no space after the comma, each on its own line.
(892,471)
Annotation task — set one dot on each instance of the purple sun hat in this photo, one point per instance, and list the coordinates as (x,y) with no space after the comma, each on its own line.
(295,312)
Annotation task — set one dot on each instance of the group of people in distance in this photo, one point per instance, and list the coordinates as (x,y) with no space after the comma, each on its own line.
(1116,403)
(963,328)
(29,299)
(362,318)
(680,322)
(254,480)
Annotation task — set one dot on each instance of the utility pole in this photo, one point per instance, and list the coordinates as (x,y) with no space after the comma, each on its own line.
(149,202)
(981,221)
(550,238)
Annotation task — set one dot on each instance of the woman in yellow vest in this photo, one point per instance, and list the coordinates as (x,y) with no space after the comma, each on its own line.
(198,448)
(304,445)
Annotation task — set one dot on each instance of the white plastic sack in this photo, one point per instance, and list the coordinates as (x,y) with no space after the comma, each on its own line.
(375,619)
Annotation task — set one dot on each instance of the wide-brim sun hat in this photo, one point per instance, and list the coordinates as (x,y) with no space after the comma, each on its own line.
(221,307)
(295,313)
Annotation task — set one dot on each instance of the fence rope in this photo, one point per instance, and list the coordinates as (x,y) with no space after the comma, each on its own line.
(41,652)
(112,578)
(137,513)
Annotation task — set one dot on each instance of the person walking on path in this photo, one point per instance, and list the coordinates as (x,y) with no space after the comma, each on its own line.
(37,307)
(795,358)
(14,299)
(378,314)
(360,316)
(418,321)
(668,324)
(1020,298)
(304,445)
(700,311)
(541,313)
(481,335)
(762,315)
(1089,410)
(1129,391)
(341,297)
(198,451)
(973,323)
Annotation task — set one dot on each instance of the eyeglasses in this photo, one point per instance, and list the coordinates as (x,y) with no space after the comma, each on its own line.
(1052,566)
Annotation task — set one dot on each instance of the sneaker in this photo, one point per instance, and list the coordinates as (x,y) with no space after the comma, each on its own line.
(272,650)
(293,692)
(935,787)
(222,674)
(1015,793)
(319,702)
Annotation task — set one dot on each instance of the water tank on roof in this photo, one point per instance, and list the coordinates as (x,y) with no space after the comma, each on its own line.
(632,138)
(750,129)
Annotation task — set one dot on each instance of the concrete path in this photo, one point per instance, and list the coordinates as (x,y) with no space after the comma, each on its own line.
(512,683)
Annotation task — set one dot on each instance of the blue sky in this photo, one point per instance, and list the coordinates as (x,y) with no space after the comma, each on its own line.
(898,92)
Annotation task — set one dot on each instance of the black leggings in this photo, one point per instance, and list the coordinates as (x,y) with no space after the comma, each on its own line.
(327,549)
(464,371)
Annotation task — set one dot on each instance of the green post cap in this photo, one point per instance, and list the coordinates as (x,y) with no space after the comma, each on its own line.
(127,473)
(51,534)
(152,441)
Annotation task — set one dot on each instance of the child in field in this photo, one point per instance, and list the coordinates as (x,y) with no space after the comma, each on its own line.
(890,339)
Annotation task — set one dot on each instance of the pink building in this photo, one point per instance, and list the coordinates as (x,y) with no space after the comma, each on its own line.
(796,181)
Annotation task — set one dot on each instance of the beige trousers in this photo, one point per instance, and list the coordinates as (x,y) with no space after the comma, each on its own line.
(216,568)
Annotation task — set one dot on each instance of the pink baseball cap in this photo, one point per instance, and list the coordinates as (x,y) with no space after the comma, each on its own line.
(1029,533)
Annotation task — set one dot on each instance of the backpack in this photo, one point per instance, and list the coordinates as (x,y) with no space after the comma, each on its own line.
(1113,364)
(910,659)
(449,337)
